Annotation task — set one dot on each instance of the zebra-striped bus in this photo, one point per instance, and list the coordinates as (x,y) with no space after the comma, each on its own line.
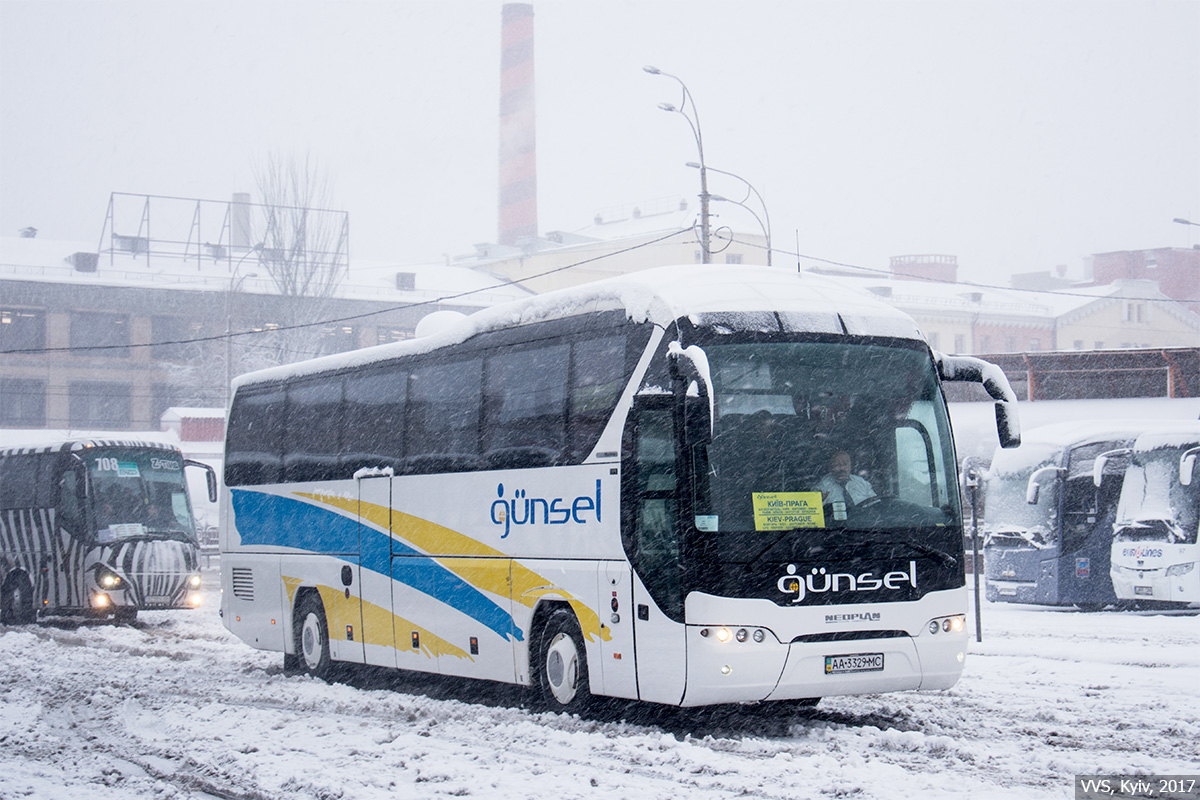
(96,527)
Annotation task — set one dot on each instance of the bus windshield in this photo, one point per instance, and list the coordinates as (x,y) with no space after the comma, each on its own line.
(1009,519)
(138,493)
(1154,505)
(815,437)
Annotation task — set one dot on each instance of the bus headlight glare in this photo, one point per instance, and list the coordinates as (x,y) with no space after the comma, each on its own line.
(109,580)
(957,623)
(723,635)
(194,599)
(101,600)
(194,581)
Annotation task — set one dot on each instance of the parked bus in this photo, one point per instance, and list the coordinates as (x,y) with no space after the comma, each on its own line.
(1048,520)
(96,527)
(1155,550)
(614,490)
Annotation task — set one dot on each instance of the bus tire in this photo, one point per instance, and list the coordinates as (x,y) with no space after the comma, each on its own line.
(562,664)
(312,637)
(16,601)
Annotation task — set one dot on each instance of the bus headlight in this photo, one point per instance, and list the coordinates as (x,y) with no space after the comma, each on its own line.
(194,581)
(955,624)
(1176,570)
(194,599)
(723,634)
(108,580)
(101,600)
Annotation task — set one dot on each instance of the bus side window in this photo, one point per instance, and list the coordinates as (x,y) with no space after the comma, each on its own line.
(656,532)
(70,511)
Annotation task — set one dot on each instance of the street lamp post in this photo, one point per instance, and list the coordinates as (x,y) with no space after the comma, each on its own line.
(234,284)
(1183,221)
(766,227)
(693,121)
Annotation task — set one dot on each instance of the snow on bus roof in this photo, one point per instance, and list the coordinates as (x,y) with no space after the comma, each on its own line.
(74,444)
(659,296)
(1041,443)
(1177,435)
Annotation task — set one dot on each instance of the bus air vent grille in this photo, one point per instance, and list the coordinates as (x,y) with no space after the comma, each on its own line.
(844,636)
(243,583)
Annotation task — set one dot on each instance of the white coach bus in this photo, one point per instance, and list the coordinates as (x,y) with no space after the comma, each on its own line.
(619,490)
(97,527)
(1155,554)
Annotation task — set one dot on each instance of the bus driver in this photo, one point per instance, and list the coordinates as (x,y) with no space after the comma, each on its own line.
(842,485)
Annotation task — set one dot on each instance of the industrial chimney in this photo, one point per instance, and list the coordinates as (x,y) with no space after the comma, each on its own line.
(518,153)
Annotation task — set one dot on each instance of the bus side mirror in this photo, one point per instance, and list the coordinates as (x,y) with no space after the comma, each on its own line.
(210,477)
(1102,461)
(1187,465)
(995,383)
(1035,483)
(692,363)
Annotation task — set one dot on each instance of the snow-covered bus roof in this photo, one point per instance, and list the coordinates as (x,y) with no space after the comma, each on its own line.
(660,296)
(1045,441)
(1176,436)
(76,444)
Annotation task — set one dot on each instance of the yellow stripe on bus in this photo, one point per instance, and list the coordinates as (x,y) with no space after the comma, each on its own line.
(376,618)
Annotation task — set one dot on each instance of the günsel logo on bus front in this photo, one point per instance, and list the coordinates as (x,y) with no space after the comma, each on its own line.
(820,580)
(521,509)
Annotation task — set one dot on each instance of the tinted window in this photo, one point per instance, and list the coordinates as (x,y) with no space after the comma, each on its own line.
(106,335)
(599,377)
(526,407)
(443,422)
(255,437)
(313,420)
(373,421)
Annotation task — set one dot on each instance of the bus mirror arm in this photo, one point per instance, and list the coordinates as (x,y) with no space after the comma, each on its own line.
(697,359)
(1102,461)
(210,477)
(1035,483)
(975,370)
(1187,466)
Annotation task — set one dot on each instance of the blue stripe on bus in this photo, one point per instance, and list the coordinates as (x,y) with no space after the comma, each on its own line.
(270,520)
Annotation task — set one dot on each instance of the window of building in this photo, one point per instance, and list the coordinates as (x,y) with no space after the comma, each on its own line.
(170,337)
(385,334)
(1010,344)
(101,334)
(338,339)
(1035,345)
(733,258)
(1078,344)
(100,404)
(985,342)
(22,329)
(933,340)
(1099,346)
(960,343)
(22,403)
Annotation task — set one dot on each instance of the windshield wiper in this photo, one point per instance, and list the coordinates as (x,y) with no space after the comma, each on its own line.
(924,549)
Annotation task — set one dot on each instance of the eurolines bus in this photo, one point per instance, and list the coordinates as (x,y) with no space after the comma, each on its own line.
(96,527)
(613,490)
(1048,521)
(1155,554)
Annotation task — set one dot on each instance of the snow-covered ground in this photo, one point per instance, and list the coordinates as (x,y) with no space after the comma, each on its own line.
(175,707)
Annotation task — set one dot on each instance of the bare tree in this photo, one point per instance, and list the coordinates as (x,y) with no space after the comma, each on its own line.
(304,248)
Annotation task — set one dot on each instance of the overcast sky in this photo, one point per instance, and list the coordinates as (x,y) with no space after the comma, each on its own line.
(1015,135)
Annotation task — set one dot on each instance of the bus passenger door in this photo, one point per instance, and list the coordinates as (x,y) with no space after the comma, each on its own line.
(373,587)
(654,550)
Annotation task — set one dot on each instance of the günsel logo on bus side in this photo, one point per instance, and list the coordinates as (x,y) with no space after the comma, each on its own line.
(520,509)
(819,581)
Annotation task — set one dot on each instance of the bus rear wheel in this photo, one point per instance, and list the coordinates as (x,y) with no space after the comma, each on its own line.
(312,637)
(562,664)
(16,602)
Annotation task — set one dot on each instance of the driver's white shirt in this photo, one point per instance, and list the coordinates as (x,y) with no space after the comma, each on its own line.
(856,490)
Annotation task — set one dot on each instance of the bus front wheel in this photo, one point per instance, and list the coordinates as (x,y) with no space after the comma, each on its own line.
(562,664)
(312,637)
(16,602)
